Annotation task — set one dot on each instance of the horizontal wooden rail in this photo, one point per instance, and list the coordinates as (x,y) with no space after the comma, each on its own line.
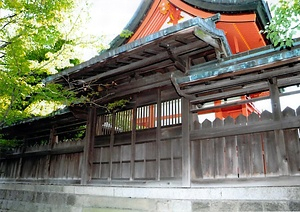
(256,127)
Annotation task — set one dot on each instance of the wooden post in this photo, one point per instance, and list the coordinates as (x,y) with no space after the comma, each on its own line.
(133,140)
(86,169)
(20,163)
(52,140)
(186,148)
(111,144)
(158,135)
(275,101)
(279,136)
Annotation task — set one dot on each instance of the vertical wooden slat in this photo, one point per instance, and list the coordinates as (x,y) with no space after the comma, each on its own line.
(172,158)
(100,122)
(20,163)
(100,162)
(291,138)
(271,162)
(230,152)
(186,149)
(243,149)
(111,144)
(207,153)
(257,149)
(196,169)
(133,141)
(52,140)
(219,151)
(86,169)
(170,113)
(158,134)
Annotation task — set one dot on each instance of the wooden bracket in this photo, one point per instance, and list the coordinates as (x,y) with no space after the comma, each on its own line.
(178,62)
(179,91)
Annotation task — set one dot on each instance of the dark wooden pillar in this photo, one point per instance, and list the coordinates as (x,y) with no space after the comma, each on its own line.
(186,147)
(86,169)
(111,144)
(52,140)
(133,140)
(20,163)
(275,101)
(158,135)
(279,136)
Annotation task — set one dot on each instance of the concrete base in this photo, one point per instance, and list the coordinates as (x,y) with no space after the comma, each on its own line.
(232,197)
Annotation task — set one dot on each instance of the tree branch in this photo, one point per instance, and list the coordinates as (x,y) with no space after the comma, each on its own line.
(5,44)
(7,17)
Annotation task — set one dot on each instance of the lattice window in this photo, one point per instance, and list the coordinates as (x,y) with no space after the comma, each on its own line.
(146,117)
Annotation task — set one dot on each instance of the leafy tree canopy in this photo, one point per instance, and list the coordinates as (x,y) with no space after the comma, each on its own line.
(39,38)
(285,23)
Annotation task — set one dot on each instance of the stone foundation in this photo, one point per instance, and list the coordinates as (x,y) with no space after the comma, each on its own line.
(44,198)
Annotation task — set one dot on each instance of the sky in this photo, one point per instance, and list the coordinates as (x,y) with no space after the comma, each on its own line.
(111,17)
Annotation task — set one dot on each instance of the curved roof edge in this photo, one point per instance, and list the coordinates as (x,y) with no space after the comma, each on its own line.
(134,22)
(260,7)
(203,24)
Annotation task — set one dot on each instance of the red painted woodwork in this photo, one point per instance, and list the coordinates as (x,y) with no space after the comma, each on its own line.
(241,31)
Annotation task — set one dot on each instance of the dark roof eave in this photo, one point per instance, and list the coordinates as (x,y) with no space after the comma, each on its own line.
(260,7)
(204,24)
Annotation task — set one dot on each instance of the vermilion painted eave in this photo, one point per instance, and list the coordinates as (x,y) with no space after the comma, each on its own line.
(149,21)
(242,36)
(241,27)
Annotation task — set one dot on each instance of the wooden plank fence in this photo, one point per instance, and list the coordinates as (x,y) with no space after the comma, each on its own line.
(60,162)
(253,146)
(245,147)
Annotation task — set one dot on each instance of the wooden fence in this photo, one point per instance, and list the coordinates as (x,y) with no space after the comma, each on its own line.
(60,162)
(245,147)
(253,146)
(140,158)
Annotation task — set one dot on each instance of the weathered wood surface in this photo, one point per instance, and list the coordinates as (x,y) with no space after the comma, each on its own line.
(41,163)
(259,152)
(145,160)
(253,146)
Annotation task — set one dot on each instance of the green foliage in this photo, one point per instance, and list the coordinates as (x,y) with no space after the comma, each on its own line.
(38,38)
(285,23)
(8,145)
(126,33)
(117,105)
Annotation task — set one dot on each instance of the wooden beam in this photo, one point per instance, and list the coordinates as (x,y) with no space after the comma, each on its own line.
(257,127)
(240,65)
(151,51)
(148,61)
(249,89)
(240,102)
(178,62)
(243,80)
(86,169)
(138,57)
(263,86)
